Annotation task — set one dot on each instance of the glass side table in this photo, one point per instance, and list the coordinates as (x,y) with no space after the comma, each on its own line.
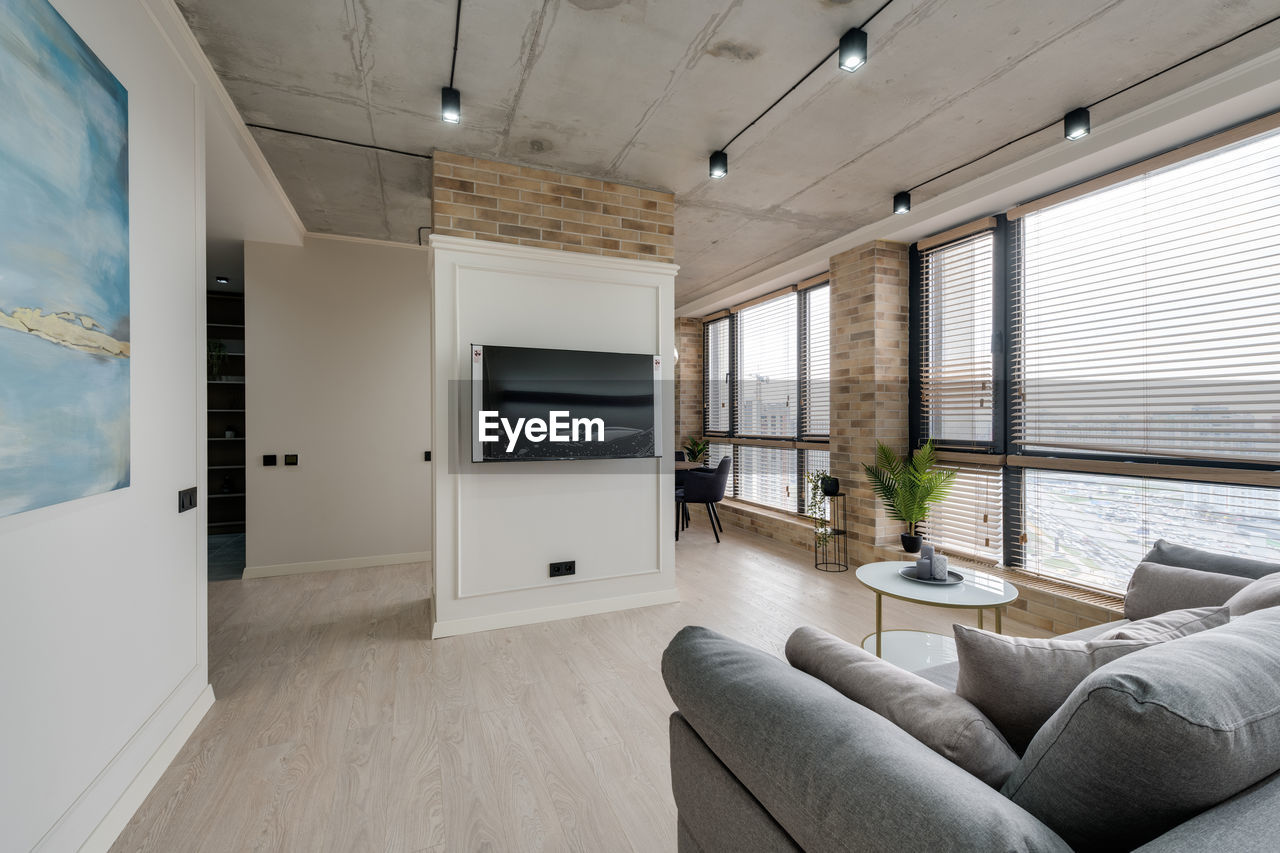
(916,650)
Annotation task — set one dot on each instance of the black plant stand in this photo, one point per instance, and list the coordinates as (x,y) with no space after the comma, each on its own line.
(831,543)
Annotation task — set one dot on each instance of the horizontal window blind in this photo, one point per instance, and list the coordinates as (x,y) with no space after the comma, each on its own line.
(970,521)
(716,378)
(815,367)
(767,475)
(1145,317)
(956,372)
(1092,530)
(766,389)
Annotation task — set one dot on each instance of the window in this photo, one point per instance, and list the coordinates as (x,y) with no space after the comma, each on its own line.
(767,394)
(1141,320)
(1094,529)
(969,521)
(815,364)
(717,377)
(956,368)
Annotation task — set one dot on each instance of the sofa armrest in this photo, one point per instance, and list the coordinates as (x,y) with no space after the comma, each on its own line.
(833,774)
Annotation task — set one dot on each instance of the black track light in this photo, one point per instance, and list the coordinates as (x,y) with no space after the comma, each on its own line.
(853,49)
(450,105)
(902,202)
(719,164)
(1075,125)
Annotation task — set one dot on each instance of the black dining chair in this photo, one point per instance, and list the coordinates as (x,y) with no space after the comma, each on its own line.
(705,488)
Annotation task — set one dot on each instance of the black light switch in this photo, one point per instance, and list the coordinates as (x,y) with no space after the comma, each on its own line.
(291,459)
(187,499)
(269,460)
(426,457)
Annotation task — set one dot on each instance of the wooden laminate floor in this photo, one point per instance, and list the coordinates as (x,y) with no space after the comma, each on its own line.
(341,726)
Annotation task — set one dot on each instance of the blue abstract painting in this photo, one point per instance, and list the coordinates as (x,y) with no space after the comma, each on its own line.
(64,264)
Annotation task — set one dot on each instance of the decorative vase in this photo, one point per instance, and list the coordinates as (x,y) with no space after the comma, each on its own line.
(911,544)
(831,486)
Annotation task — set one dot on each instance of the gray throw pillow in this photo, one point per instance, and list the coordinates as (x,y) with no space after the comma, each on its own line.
(1168,554)
(1259,595)
(1156,588)
(938,718)
(1155,738)
(1018,682)
(1170,626)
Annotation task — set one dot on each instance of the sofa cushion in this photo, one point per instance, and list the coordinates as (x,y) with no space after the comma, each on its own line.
(1169,554)
(941,720)
(1019,682)
(1171,625)
(1258,595)
(1157,737)
(1156,588)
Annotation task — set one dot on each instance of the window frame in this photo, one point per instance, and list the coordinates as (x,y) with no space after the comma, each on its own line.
(800,442)
(1013,459)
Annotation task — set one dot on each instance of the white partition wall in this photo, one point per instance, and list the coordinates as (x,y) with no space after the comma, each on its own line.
(498,525)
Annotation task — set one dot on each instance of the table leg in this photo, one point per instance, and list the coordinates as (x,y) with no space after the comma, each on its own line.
(999,614)
(879,602)
(980,614)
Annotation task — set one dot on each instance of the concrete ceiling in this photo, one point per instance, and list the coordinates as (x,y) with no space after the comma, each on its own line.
(640,91)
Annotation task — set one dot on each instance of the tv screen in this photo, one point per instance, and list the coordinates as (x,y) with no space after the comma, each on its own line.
(549,404)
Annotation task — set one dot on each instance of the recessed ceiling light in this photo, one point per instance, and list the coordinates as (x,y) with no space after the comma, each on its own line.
(222,279)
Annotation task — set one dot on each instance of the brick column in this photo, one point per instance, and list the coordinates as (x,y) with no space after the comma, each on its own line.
(869,381)
(688,390)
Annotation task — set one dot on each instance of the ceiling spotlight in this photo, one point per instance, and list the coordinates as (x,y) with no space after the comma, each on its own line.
(719,164)
(902,202)
(1076,124)
(222,279)
(853,49)
(450,105)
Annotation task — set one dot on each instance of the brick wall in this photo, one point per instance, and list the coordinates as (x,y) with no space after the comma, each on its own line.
(869,379)
(688,379)
(504,203)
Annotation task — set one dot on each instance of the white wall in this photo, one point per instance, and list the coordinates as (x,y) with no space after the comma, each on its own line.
(337,336)
(102,600)
(498,526)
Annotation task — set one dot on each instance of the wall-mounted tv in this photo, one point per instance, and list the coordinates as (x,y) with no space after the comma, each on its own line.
(530,404)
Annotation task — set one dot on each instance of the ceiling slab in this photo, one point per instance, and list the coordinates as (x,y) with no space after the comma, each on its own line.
(640,91)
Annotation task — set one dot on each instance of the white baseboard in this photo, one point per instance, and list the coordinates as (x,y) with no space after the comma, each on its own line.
(99,833)
(512,619)
(333,565)
(105,834)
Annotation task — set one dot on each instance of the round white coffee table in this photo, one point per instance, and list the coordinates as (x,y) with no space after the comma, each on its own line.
(916,650)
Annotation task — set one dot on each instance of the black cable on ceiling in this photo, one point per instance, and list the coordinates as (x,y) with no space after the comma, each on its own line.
(806,76)
(457,26)
(1114,94)
(338,141)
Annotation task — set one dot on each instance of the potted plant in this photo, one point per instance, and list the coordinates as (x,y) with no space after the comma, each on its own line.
(908,487)
(696,448)
(817,507)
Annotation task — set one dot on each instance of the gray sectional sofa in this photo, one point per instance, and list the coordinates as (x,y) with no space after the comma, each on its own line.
(1173,747)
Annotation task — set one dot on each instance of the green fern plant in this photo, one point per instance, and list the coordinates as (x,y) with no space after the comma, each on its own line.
(908,487)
